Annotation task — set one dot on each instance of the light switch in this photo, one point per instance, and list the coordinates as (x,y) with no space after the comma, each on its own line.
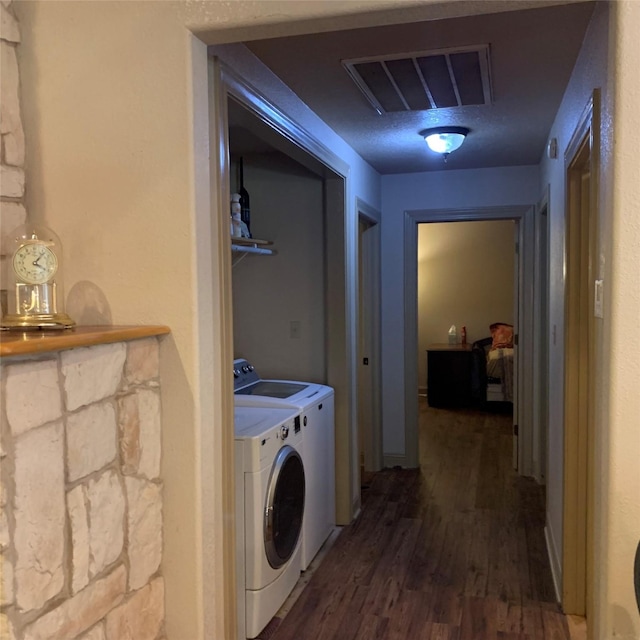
(598,303)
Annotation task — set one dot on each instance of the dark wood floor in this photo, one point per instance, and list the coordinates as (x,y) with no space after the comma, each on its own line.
(452,551)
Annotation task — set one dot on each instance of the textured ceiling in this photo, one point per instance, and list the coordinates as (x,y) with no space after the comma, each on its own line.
(531,54)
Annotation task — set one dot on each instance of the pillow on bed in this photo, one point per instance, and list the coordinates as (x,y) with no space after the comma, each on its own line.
(501,335)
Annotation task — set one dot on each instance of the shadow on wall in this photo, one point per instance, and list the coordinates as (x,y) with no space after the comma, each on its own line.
(624,622)
(88,305)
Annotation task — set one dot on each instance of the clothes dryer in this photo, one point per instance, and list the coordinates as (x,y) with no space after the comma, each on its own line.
(270,504)
(316,405)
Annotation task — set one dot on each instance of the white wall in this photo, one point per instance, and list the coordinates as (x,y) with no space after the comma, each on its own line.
(116,92)
(621,373)
(271,291)
(589,73)
(113,152)
(617,482)
(465,277)
(437,190)
(117,126)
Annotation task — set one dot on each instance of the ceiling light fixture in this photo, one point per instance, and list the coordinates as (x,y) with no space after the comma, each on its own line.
(444,140)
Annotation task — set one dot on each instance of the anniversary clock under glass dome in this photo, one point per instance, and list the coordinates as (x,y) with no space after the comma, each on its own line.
(36,289)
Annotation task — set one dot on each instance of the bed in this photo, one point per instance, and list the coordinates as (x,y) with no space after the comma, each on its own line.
(493,365)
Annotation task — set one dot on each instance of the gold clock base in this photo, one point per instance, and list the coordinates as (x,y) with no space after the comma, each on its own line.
(37,322)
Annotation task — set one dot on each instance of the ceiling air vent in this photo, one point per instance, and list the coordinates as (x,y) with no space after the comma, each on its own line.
(426,80)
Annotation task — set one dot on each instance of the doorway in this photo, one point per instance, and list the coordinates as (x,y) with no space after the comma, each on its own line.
(369,342)
(541,330)
(523,215)
(467,279)
(339,239)
(582,306)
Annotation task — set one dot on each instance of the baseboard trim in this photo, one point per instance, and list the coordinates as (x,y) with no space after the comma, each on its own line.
(554,562)
(391,460)
(356,507)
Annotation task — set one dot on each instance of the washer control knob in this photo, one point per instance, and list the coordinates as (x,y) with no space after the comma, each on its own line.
(245,369)
(236,373)
(284,432)
(251,367)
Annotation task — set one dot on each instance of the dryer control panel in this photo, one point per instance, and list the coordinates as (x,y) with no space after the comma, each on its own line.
(244,373)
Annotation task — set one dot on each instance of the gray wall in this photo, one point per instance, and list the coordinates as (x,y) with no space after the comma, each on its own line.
(419,191)
(270,292)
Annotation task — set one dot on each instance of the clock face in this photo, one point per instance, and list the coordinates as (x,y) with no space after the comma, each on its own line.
(35,263)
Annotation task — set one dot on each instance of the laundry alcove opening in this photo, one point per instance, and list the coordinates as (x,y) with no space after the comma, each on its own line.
(289,310)
(279,305)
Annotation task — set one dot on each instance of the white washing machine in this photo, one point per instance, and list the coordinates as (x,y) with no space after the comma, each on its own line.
(316,405)
(270,502)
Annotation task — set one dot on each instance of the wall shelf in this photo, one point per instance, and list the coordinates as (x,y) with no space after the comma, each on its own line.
(242,247)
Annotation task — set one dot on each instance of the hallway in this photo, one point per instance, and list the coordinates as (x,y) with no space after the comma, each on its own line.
(453,551)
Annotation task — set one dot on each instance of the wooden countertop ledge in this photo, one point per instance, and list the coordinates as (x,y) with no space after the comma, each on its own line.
(20,343)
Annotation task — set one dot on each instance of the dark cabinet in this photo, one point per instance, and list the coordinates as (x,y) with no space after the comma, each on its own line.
(449,377)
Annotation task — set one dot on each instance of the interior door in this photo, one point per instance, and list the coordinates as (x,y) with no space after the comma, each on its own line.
(517,271)
(541,349)
(369,374)
(579,353)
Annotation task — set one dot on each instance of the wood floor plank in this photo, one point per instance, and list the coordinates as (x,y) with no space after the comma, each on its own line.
(532,621)
(420,626)
(542,588)
(554,625)
(509,617)
(478,558)
(428,548)
(372,627)
(441,631)
(401,612)
(446,606)
(453,550)
(388,580)
(479,619)
(333,623)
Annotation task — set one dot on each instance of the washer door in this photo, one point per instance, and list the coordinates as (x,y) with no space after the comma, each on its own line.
(285,506)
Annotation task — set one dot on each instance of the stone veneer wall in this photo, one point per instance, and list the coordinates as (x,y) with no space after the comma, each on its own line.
(81,495)
(12,150)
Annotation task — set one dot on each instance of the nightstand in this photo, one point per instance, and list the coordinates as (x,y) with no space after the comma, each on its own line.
(449,382)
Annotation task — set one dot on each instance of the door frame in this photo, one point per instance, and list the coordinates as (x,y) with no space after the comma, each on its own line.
(341,241)
(371,431)
(524,215)
(541,332)
(582,158)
